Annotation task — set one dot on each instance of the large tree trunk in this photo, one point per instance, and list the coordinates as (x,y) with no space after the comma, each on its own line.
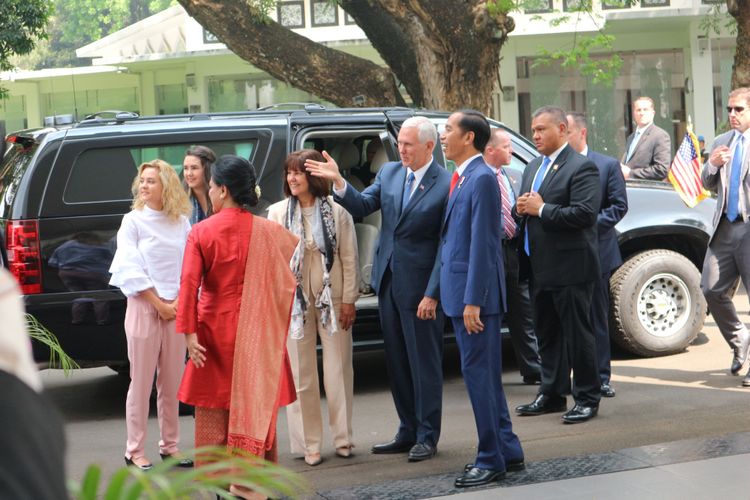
(446,53)
(456,45)
(331,74)
(740,10)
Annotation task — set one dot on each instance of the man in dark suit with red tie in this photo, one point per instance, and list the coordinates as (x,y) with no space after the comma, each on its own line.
(472,292)
(613,208)
(557,215)
(498,154)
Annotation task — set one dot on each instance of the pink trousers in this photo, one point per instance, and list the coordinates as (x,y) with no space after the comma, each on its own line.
(153,345)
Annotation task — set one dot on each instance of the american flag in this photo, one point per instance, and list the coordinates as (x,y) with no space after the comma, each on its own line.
(685,172)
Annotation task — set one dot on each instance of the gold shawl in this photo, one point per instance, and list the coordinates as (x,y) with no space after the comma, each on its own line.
(260,347)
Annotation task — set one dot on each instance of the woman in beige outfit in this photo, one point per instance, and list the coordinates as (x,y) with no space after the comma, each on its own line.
(325,265)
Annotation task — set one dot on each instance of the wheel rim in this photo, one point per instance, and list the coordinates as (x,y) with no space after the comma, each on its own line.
(664,305)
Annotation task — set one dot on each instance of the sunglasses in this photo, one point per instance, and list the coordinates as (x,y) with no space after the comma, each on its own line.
(736,109)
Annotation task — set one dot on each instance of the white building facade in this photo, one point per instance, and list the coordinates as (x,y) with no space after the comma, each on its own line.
(169,64)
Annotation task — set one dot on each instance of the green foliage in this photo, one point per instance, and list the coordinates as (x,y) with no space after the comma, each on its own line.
(57,357)
(165,481)
(76,23)
(716,19)
(22,23)
(599,69)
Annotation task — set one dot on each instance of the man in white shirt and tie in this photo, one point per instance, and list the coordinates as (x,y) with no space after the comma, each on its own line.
(728,254)
(497,154)
(648,150)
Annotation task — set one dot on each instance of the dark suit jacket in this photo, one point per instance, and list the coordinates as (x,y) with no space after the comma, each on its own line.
(563,241)
(614,206)
(652,155)
(471,255)
(409,239)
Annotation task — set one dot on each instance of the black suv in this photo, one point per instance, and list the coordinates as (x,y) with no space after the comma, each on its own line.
(65,189)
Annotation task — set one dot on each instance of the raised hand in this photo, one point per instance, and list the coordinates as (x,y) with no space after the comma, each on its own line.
(328,169)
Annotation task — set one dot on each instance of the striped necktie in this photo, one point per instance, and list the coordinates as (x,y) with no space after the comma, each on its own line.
(509,225)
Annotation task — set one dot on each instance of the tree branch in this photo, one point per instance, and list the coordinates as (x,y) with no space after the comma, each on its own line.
(387,37)
(294,59)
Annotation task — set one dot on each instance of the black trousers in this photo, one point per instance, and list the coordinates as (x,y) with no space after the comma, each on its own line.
(519,315)
(562,316)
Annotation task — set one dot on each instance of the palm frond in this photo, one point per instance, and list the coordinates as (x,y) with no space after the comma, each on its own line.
(57,356)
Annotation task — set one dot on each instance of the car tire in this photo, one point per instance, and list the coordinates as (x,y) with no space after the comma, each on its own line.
(657,306)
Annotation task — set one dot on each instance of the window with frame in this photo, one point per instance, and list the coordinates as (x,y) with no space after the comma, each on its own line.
(120,165)
(324,13)
(291,14)
(537,6)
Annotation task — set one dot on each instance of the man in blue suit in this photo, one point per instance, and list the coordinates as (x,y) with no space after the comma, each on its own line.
(613,207)
(411,196)
(472,293)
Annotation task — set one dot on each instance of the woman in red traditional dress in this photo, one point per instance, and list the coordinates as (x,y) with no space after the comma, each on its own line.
(238,375)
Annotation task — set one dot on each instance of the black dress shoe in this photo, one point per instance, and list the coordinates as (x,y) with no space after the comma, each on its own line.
(129,462)
(579,414)
(542,404)
(510,466)
(185,463)
(607,391)
(746,380)
(421,451)
(532,379)
(478,477)
(396,445)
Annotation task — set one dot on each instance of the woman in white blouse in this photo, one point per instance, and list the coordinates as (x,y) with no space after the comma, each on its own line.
(146,267)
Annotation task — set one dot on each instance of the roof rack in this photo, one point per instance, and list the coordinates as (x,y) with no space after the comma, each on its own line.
(112,117)
(307,106)
(108,116)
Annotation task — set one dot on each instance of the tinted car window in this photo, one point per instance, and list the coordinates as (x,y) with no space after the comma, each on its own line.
(107,174)
(14,163)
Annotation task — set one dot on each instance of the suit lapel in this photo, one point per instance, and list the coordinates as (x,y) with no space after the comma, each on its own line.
(559,163)
(400,177)
(461,182)
(428,180)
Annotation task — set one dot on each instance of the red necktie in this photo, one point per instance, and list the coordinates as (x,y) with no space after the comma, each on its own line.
(508,223)
(454,180)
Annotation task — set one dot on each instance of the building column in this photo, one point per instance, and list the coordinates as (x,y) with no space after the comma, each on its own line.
(508,78)
(148,93)
(699,103)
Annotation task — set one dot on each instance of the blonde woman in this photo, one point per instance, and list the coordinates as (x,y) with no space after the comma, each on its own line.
(146,267)
(325,265)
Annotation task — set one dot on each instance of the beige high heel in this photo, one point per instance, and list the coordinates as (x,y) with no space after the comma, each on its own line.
(345,451)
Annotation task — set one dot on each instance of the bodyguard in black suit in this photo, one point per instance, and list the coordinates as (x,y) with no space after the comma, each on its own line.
(613,208)
(519,319)
(557,216)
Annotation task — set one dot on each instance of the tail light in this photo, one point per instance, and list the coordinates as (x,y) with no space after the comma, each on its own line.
(24,259)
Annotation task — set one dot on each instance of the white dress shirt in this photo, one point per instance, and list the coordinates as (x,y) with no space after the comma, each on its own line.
(150,247)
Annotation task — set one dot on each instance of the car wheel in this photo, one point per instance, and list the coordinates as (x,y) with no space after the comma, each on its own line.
(657,306)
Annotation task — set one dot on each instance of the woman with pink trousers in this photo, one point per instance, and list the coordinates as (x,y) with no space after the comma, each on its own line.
(146,267)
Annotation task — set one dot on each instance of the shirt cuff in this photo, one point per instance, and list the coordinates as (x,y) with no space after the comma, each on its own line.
(340,192)
(540,210)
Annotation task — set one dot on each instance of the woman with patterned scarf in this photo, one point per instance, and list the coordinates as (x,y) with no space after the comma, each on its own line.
(325,265)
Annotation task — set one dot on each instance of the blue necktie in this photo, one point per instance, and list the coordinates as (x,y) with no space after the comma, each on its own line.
(733,199)
(535,187)
(407,191)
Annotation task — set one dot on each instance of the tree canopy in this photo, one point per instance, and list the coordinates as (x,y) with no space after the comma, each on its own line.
(22,23)
(75,23)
